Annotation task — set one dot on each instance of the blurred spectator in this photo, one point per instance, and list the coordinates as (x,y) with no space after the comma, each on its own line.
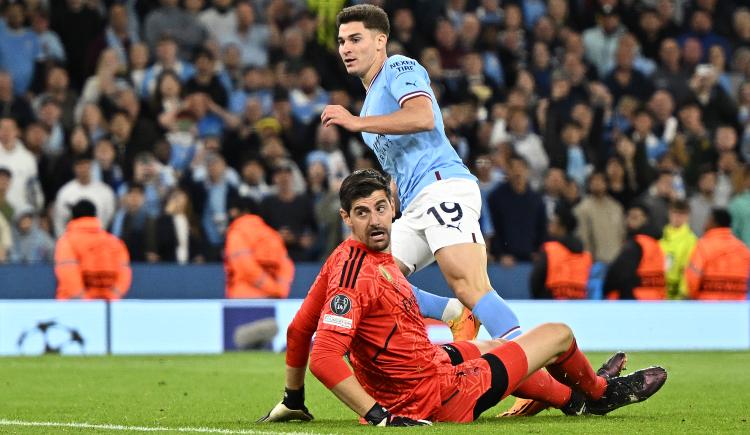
(207,81)
(77,23)
(50,47)
(518,216)
(19,48)
(12,106)
(23,192)
(90,263)
(256,261)
(119,36)
(252,38)
(308,99)
(291,214)
(253,183)
(601,224)
(677,243)
(6,239)
(328,142)
(105,168)
(739,209)
(31,244)
(57,88)
(720,263)
(657,199)
(155,178)
(619,187)
(110,76)
(130,138)
(166,60)
(403,30)
(670,75)
(528,144)
(212,194)
(170,20)
(729,177)
(601,41)
(624,78)
(703,200)
(133,225)
(179,237)
(561,269)
(80,188)
(716,105)
(138,64)
(6,209)
(219,19)
(326,204)
(638,271)
(50,117)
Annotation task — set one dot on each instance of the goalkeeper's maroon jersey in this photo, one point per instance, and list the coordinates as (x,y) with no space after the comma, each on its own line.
(366,306)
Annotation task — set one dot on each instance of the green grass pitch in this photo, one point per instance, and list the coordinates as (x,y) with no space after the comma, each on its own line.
(707,392)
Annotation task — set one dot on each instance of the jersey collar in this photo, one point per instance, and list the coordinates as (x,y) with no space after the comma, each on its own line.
(372,82)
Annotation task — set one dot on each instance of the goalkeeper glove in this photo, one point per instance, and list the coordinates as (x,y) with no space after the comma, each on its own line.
(292,407)
(379,416)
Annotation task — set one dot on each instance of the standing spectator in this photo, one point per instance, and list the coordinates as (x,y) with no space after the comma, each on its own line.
(105,168)
(50,116)
(562,268)
(169,19)
(31,244)
(57,88)
(179,237)
(619,187)
(624,79)
(739,209)
(77,24)
(670,75)
(601,223)
(256,261)
(658,197)
(109,78)
(133,225)
(601,42)
(206,79)
(219,20)
(528,145)
(291,214)
(677,243)
(308,98)
(90,263)
(638,270)
(19,48)
(720,264)
(80,188)
(138,64)
(518,216)
(703,200)
(12,106)
(253,184)
(405,32)
(23,192)
(252,38)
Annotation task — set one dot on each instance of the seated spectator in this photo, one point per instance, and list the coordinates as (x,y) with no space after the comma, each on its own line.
(291,214)
(638,271)
(601,224)
(720,264)
(179,237)
(677,243)
(518,216)
(739,209)
(133,225)
(22,193)
(83,187)
(256,261)
(31,244)
(90,263)
(561,270)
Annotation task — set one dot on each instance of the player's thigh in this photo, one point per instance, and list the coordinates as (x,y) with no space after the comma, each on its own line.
(409,246)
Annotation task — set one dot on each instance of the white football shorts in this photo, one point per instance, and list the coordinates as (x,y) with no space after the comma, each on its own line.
(445,213)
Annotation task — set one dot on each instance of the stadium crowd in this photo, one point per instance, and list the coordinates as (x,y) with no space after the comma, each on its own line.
(172,116)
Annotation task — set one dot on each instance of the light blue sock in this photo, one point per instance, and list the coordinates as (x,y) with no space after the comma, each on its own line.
(496,316)
(430,305)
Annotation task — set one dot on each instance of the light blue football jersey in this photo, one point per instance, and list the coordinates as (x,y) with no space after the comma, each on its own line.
(418,159)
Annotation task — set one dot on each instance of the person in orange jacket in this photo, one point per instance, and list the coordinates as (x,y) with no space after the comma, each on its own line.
(720,263)
(255,259)
(561,271)
(639,270)
(90,263)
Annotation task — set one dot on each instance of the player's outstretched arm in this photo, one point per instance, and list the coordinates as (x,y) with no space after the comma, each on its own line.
(415,116)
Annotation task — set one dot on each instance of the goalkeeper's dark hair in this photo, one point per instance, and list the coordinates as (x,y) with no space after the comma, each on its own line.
(372,17)
(361,184)
(83,208)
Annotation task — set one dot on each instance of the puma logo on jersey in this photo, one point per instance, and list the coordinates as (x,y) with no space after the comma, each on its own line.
(411,84)
(455,226)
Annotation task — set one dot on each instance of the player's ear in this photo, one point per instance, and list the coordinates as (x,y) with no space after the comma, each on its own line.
(345,217)
(381,41)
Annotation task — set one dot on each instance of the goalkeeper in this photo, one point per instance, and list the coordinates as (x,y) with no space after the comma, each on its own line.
(362,305)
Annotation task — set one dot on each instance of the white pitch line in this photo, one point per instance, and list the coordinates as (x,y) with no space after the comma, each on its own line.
(118,427)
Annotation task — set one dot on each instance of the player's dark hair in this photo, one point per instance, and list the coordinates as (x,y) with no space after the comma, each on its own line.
(566,218)
(721,218)
(361,184)
(83,208)
(373,17)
